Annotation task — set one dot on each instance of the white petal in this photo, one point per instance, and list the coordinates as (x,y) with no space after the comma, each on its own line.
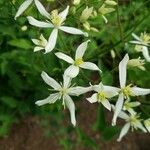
(72,30)
(136,37)
(105,19)
(81,49)
(51,41)
(136,42)
(123,70)
(90,66)
(146,53)
(38,23)
(36,41)
(70,104)
(51,99)
(38,48)
(140,126)
(124,131)
(78,90)
(139,91)
(106,104)
(41,9)
(23,7)
(134,104)
(118,108)
(64,57)
(123,115)
(93,98)
(67,81)
(72,71)
(98,87)
(64,14)
(111,91)
(50,81)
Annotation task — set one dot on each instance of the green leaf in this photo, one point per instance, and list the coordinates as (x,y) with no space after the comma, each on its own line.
(9,101)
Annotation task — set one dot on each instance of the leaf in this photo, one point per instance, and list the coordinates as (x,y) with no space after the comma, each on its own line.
(9,101)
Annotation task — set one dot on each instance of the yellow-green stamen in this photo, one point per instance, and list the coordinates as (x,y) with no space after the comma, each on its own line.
(78,61)
(101,96)
(55,18)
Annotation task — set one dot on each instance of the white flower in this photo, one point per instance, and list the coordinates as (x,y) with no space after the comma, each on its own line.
(55,21)
(27,3)
(103,94)
(40,44)
(126,91)
(73,70)
(142,44)
(128,105)
(147,124)
(132,121)
(63,92)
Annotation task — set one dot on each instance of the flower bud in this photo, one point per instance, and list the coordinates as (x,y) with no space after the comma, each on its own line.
(24,28)
(76,2)
(110,2)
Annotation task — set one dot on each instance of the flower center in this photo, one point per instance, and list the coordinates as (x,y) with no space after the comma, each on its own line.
(64,91)
(78,61)
(127,91)
(145,38)
(101,96)
(55,18)
(134,120)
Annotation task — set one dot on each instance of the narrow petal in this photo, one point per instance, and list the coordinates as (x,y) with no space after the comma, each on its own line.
(72,71)
(99,87)
(123,70)
(67,81)
(106,104)
(23,7)
(146,53)
(136,37)
(140,126)
(72,30)
(50,81)
(36,41)
(49,100)
(64,14)
(38,48)
(139,91)
(41,9)
(93,98)
(124,131)
(51,41)
(89,66)
(38,23)
(78,90)
(136,42)
(111,91)
(123,115)
(81,49)
(118,108)
(70,104)
(64,57)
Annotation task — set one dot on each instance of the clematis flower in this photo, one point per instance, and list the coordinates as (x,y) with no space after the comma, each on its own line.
(55,20)
(133,121)
(63,92)
(73,70)
(103,93)
(126,91)
(40,43)
(142,44)
(27,3)
(147,124)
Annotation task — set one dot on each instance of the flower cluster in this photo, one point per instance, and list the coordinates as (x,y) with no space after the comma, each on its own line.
(124,107)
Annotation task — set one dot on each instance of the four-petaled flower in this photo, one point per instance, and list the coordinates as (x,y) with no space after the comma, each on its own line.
(126,91)
(103,94)
(73,70)
(55,20)
(63,92)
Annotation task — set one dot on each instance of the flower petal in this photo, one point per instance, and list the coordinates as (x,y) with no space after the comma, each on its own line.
(78,90)
(36,41)
(64,14)
(67,81)
(70,104)
(111,91)
(50,81)
(51,99)
(124,131)
(72,30)
(64,57)
(106,104)
(72,71)
(81,49)
(41,9)
(38,23)
(93,98)
(51,41)
(118,108)
(140,126)
(136,37)
(139,91)
(90,66)
(123,70)
(38,48)
(23,7)
(146,53)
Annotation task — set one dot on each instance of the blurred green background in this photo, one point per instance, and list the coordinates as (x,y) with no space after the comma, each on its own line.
(20,69)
